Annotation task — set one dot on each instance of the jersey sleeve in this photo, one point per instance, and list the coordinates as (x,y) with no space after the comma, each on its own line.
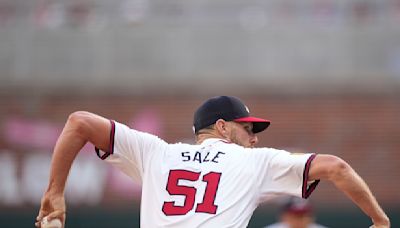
(131,150)
(285,173)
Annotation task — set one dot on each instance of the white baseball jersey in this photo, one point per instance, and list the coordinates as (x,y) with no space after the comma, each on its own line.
(214,184)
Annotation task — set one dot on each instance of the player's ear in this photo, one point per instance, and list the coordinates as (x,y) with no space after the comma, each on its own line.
(221,126)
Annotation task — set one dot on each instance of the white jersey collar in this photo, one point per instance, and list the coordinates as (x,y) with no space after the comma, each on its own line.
(212,141)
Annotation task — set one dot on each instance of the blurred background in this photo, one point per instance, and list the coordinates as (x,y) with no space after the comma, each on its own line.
(325,72)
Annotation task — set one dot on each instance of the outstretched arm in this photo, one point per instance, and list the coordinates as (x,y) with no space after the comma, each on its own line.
(80,128)
(344,177)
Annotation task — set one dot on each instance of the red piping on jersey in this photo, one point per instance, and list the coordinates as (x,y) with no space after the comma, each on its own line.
(225,141)
(111,147)
(306,192)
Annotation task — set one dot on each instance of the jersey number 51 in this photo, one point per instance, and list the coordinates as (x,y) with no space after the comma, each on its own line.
(207,206)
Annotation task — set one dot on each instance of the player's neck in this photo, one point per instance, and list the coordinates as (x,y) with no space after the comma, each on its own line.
(208,135)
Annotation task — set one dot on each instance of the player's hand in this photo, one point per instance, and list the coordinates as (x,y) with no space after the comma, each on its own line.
(382,222)
(52,206)
(381,225)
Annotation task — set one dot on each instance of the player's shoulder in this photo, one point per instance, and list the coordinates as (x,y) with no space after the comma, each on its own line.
(124,129)
(182,146)
(267,151)
(255,153)
(124,133)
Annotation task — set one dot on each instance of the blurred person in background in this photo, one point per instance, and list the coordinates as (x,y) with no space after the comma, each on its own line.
(296,213)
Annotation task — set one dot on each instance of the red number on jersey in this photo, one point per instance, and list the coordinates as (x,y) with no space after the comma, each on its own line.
(169,208)
(207,206)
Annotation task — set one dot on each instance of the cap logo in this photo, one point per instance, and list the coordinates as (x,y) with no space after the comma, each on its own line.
(247,109)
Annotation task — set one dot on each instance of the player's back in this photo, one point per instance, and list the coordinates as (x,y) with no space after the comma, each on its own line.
(209,185)
(214,184)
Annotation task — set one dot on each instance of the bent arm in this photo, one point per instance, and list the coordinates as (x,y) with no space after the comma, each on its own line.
(80,128)
(344,177)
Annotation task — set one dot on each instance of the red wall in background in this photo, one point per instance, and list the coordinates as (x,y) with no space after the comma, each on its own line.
(362,129)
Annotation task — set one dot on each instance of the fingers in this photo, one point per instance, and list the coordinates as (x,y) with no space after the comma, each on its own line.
(40,216)
(43,211)
(38,224)
(56,214)
(39,219)
(52,207)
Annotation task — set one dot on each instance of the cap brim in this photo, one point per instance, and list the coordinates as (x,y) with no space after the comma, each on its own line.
(259,124)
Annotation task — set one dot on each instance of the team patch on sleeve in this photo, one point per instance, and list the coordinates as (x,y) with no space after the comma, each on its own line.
(307,189)
(104,154)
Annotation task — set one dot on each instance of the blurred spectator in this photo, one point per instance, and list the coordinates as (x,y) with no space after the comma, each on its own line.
(296,213)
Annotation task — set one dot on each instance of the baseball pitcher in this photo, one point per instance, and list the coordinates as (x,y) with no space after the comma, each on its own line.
(217,182)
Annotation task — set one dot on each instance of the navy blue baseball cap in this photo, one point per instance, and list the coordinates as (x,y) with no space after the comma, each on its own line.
(229,109)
